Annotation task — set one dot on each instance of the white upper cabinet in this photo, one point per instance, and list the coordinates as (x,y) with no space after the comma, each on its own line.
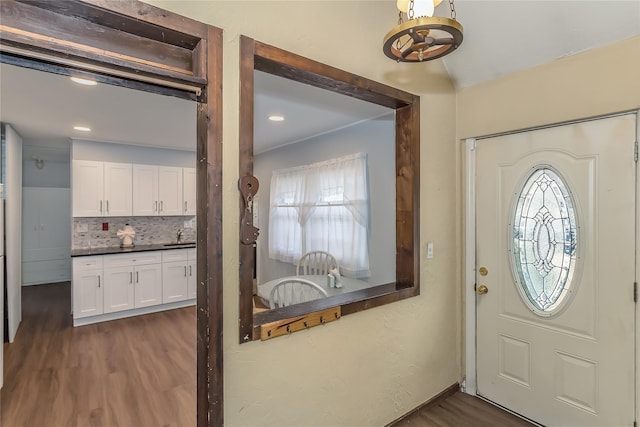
(157,190)
(101,189)
(145,190)
(170,190)
(88,187)
(189,191)
(117,189)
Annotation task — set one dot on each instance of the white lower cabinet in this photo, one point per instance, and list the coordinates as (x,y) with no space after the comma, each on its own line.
(191,278)
(175,274)
(132,287)
(178,275)
(148,280)
(132,281)
(88,287)
(131,284)
(118,294)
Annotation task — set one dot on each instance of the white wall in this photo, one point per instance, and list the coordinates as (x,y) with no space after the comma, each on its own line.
(368,368)
(374,137)
(56,170)
(120,153)
(13,228)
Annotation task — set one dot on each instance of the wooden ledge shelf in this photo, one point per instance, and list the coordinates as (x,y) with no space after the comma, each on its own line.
(298,323)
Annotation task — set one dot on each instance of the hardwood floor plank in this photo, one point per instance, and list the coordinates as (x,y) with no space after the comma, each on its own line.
(139,371)
(461,410)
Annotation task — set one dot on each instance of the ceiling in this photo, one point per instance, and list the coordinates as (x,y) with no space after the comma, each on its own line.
(500,37)
(504,36)
(126,116)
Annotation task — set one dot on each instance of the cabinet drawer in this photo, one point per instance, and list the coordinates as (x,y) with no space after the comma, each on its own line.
(130,260)
(86,263)
(174,255)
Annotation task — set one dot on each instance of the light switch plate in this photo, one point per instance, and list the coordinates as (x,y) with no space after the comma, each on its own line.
(429,250)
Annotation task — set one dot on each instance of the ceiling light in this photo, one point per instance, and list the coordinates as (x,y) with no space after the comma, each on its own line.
(86,82)
(276,118)
(420,36)
(82,128)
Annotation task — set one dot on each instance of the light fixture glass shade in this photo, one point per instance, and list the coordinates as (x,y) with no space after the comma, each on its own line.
(420,7)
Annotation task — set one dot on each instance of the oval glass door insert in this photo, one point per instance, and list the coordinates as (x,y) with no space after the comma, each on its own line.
(544,241)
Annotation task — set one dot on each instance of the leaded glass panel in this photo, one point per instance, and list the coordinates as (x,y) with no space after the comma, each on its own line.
(544,241)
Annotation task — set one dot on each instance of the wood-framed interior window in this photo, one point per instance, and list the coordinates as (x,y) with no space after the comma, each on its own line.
(255,55)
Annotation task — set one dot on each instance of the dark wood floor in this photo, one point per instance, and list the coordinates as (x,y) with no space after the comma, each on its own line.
(462,410)
(136,372)
(130,372)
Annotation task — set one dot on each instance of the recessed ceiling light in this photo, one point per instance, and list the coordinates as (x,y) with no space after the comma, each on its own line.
(86,82)
(82,128)
(276,118)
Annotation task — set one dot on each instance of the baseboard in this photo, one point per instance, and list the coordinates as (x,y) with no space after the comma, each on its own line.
(449,391)
(81,321)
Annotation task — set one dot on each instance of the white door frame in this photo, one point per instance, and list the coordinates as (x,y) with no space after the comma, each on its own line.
(469,262)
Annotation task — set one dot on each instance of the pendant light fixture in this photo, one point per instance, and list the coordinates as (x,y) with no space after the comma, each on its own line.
(420,36)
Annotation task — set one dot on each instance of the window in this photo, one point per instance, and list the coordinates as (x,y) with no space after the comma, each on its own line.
(322,206)
(544,241)
(259,56)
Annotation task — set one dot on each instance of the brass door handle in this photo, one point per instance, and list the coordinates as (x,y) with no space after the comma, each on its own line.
(482,289)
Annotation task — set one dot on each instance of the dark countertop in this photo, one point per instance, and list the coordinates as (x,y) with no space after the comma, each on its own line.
(138,248)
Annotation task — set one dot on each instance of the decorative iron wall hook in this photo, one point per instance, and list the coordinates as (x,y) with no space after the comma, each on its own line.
(248,186)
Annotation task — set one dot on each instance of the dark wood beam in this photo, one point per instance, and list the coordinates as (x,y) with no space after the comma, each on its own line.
(209,209)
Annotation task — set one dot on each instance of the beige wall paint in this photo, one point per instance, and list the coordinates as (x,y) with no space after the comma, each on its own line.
(601,81)
(368,368)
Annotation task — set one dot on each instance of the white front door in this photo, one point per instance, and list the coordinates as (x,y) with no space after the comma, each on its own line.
(555,250)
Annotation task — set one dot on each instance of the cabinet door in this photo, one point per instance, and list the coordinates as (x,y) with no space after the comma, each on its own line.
(87,293)
(148,285)
(118,289)
(54,238)
(30,222)
(145,190)
(170,190)
(189,191)
(174,281)
(117,189)
(88,185)
(191,279)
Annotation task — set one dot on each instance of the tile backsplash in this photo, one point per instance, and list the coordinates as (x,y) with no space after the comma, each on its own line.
(88,232)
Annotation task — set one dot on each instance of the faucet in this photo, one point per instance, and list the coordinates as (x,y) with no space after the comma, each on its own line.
(179,236)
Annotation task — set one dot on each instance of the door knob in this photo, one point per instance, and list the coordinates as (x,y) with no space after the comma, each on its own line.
(482,289)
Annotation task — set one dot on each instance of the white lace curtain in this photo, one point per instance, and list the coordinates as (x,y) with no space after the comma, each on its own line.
(322,206)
